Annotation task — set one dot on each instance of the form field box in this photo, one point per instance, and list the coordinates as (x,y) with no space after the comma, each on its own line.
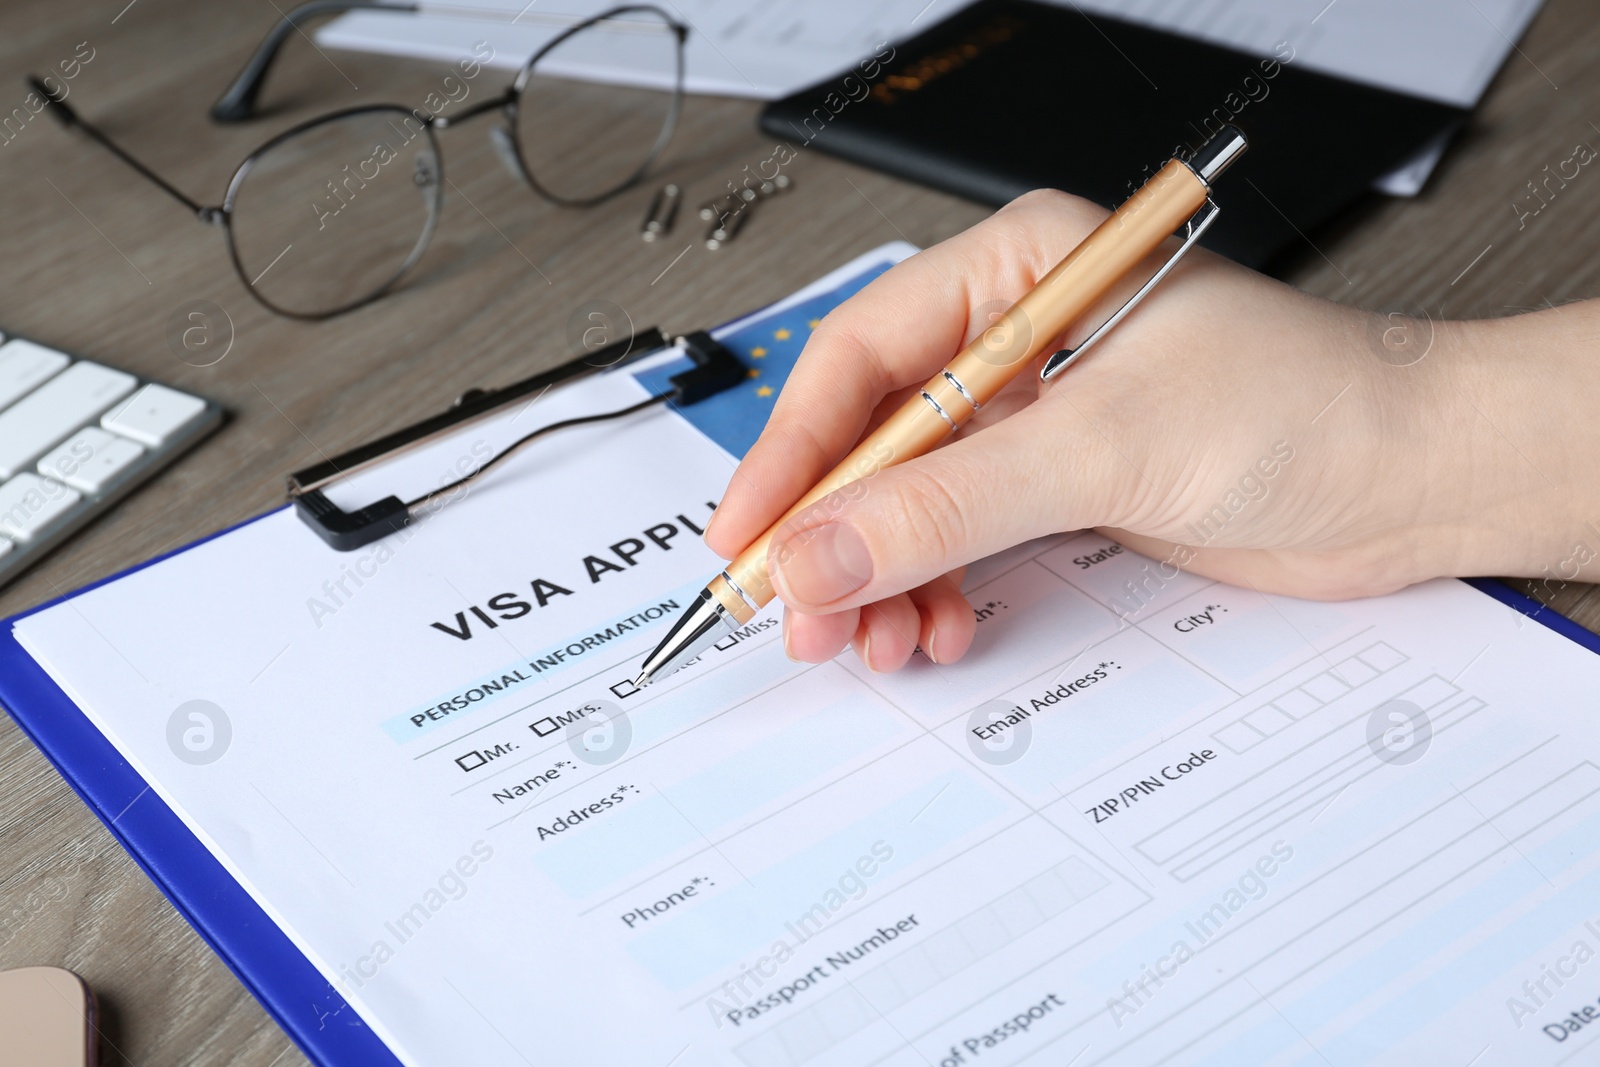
(1381,657)
(1239,736)
(1299,778)
(1325,687)
(1311,695)
(1297,703)
(1269,720)
(544,727)
(1552,800)
(1354,673)
(1007,919)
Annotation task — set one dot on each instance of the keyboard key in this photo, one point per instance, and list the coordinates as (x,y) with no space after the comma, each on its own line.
(154,414)
(91,459)
(48,415)
(29,503)
(24,366)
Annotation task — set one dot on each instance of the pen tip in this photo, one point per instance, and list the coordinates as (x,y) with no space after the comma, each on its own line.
(642,681)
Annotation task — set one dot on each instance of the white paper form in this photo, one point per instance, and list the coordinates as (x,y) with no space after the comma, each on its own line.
(1443,50)
(1149,819)
(765,49)
(1440,49)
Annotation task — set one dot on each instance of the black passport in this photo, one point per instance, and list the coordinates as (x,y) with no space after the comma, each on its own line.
(1011,95)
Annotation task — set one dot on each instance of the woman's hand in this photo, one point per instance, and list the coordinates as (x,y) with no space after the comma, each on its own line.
(1231,426)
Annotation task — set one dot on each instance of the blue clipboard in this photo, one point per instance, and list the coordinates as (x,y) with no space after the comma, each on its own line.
(309,1008)
(313,1013)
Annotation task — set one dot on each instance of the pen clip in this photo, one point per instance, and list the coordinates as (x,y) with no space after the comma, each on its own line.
(1192,231)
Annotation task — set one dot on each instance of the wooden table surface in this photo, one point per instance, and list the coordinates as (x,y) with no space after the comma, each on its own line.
(99,263)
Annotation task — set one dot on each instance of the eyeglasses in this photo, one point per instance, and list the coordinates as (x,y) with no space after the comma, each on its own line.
(331,214)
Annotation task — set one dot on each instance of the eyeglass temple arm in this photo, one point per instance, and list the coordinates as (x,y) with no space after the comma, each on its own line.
(68,116)
(238,101)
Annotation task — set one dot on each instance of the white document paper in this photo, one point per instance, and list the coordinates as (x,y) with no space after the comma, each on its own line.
(1445,50)
(765,49)
(1148,819)
(1439,49)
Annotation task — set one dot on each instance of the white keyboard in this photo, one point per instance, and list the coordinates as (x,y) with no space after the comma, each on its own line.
(75,437)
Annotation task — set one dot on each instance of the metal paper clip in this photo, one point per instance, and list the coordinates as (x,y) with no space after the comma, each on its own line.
(727,227)
(715,210)
(1192,231)
(748,194)
(663,210)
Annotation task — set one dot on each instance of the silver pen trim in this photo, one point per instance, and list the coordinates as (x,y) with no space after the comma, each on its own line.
(943,414)
(968,397)
(749,601)
(703,625)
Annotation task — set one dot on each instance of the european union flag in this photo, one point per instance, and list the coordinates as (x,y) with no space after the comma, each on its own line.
(768,347)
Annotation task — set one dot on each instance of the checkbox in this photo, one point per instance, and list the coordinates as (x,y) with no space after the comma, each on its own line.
(544,727)
(1382,657)
(726,643)
(1239,736)
(471,761)
(624,689)
(1355,673)
(1297,703)
(1326,687)
(1269,720)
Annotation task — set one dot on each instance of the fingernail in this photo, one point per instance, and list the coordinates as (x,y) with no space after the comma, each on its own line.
(711,524)
(933,639)
(866,653)
(787,651)
(818,566)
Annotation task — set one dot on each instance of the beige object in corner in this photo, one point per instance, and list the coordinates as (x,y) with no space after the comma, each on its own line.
(46,1019)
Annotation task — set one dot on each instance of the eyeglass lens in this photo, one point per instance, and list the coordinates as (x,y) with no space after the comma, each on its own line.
(332,215)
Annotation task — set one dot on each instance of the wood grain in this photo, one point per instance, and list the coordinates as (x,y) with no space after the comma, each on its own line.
(98,262)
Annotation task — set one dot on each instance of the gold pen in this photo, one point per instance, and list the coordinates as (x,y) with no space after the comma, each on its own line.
(1177,197)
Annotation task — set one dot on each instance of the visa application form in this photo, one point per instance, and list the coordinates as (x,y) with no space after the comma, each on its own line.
(1149,819)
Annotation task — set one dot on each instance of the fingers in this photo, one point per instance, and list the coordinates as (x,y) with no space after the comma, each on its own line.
(895,333)
(948,624)
(934,617)
(888,633)
(818,638)
(1040,471)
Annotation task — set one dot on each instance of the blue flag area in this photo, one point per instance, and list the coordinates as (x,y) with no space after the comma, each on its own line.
(768,347)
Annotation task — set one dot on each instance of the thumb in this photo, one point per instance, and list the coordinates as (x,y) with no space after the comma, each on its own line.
(1025,476)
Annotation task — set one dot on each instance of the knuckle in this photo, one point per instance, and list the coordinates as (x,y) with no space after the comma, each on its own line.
(925,512)
(842,356)
(1045,198)
(1055,203)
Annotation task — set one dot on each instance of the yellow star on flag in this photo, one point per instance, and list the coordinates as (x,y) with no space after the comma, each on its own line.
(765,390)
(753,373)
(782,335)
(813,323)
(758,352)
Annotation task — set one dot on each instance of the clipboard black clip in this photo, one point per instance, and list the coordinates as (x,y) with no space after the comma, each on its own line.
(715,369)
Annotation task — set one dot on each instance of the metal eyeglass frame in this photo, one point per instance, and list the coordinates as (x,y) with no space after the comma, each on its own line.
(237,104)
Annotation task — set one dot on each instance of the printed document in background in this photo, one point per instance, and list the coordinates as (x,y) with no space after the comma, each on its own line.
(1444,50)
(1149,819)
